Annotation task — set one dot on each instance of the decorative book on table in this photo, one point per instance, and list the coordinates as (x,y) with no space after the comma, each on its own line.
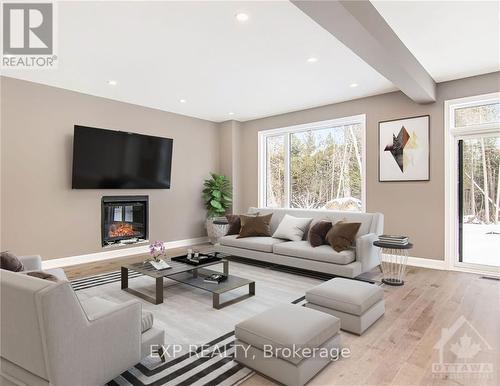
(393,239)
(215,278)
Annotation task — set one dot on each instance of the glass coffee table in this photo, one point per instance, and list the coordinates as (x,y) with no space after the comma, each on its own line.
(190,275)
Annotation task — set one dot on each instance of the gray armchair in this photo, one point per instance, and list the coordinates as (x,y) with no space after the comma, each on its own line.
(48,337)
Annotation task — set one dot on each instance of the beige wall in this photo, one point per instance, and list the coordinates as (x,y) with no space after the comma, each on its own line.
(42,214)
(413,208)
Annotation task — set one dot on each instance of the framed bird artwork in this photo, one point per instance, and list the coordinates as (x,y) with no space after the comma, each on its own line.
(404,152)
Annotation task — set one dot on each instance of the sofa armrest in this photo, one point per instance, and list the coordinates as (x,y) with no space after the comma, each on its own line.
(32,262)
(366,252)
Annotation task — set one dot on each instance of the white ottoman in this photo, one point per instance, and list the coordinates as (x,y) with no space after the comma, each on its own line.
(356,303)
(279,343)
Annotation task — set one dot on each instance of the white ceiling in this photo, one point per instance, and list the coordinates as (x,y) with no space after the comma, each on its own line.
(451,39)
(161,52)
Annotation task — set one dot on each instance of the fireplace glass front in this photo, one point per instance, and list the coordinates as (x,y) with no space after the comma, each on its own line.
(124,219)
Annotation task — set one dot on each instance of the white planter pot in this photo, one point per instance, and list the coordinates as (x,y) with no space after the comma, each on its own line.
(215,231)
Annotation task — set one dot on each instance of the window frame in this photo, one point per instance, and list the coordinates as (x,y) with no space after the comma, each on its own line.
(452,135)
(359,119)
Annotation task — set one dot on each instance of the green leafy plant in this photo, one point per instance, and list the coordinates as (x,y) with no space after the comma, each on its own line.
(217,194)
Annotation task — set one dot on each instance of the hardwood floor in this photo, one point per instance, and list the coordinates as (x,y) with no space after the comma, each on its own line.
(400,348)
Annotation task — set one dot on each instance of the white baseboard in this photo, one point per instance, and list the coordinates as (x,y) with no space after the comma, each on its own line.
(113,254)
(422,263)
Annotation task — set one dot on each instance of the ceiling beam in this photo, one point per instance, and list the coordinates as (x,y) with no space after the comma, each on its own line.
(359,26)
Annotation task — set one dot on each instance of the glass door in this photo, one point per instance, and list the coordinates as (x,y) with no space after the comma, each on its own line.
(478,200)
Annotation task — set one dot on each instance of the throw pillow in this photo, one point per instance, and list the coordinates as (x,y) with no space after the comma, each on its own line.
(252,226)
(43,275)
(292,228)
(10,262)
(235,223)
(342,235)
(318,232)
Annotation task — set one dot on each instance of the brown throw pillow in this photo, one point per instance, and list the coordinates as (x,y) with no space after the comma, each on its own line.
(43,275)
(252,226)
(342,234)
(318,232)
(10,262)
(235,223)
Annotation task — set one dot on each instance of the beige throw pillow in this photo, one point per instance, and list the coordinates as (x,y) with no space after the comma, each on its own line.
(292,228)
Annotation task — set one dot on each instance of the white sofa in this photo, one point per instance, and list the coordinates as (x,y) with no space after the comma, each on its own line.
(49,338)
(300,254)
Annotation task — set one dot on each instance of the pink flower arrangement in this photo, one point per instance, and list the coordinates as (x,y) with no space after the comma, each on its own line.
(157,250)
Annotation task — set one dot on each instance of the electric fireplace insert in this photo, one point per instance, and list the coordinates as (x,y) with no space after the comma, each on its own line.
(124,219)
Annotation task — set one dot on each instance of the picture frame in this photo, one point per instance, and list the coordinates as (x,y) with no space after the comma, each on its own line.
(404,149)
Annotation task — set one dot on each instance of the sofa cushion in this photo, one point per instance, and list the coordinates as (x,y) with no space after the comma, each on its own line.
(288,326)
(351,296)
(255,226)
(330,215)
(324,253)
(262,244)
(234,223)
(292,228)
(10,262)
(318,232)
(342,235)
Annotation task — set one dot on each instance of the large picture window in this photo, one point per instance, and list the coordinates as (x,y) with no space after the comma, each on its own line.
(317,165)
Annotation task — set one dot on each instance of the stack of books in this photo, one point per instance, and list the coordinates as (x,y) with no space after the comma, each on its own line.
(393,239)
(215,278)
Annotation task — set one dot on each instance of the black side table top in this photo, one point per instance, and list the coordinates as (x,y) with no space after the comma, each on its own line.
(381,244)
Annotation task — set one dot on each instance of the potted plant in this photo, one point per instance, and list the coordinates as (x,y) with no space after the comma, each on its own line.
(217,194)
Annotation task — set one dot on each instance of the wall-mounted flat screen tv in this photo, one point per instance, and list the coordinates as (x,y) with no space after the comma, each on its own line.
(108,159)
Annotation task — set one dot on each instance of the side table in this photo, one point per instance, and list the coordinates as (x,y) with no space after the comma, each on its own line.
(394,268)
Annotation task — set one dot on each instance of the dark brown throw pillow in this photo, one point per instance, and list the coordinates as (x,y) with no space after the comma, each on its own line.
(253,226)
(318,232)
(43,275)
(10,262)
(235,223)
(342,235)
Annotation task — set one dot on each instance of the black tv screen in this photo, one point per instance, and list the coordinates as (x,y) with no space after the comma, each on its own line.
(108,159)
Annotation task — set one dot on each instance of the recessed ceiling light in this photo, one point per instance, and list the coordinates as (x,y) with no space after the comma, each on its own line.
(182,100)
(231,113)
(353,85)
(112,82)
(312,59)
(241,17)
